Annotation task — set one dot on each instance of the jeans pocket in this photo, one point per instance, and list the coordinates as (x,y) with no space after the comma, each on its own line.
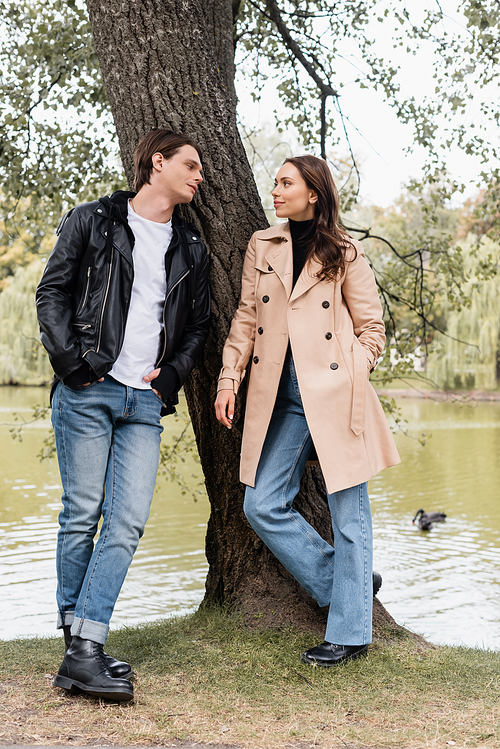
(81,388)
(160,400)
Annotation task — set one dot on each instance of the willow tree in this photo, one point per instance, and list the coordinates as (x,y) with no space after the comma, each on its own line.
(166,63)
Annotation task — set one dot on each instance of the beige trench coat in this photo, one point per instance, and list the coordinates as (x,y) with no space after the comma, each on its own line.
(336,335)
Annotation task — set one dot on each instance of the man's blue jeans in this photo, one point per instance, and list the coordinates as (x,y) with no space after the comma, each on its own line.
(108,443)
(340,577)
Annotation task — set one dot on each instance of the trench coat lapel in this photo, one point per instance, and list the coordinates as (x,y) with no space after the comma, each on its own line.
(307,279)
(280,258)
(279,254)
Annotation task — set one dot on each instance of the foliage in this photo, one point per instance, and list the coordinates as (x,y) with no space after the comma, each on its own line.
(57,132)
(174,459)
(312,51)
(467,358)
(267,148)
(418,263)
(15,250)
(315,49)
(56,143)
(466,74)
(22,358)
(309,49)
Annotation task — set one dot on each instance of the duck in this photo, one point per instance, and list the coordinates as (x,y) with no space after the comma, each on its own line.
(426,519)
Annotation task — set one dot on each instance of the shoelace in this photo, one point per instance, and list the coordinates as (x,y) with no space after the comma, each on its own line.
(99,652)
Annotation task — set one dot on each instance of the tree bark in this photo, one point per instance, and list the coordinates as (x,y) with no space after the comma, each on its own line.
(170,64)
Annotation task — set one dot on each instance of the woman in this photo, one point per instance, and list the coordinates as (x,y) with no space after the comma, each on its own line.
(311,320)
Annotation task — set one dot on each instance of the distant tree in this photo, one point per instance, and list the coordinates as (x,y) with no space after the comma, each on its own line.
(468,357)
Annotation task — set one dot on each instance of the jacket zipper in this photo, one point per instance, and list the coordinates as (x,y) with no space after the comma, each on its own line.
(164,309)
(105,300)
(84,300)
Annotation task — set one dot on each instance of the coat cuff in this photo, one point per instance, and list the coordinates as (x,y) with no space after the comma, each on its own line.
(167,382)
(226,383)
(80,376)
(230,379)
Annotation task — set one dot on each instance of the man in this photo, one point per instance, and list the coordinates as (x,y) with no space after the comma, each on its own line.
(123,307)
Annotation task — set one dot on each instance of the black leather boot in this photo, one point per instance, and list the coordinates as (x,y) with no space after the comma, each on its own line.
(118,669)
(327,654)
(85,668)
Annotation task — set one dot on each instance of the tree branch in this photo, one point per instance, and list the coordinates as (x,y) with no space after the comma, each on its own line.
(275,15)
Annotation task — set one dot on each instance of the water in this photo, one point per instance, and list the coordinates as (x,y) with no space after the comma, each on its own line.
(167,575)
(444,584)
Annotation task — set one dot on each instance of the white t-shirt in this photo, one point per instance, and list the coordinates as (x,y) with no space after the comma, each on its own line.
(145,317)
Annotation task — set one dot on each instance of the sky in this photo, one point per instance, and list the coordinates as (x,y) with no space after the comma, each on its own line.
(379,141)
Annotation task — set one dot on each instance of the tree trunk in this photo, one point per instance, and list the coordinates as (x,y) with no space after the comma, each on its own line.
(170,64)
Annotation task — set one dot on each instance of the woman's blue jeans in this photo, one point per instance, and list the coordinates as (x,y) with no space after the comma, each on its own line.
(340,577)
(108,443)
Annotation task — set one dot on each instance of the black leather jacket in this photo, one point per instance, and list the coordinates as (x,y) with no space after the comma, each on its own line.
(84,296)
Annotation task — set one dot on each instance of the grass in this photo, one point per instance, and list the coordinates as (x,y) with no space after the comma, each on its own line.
(204,678)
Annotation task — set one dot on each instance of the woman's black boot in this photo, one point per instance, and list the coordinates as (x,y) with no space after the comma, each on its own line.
(85,668)
(118,669)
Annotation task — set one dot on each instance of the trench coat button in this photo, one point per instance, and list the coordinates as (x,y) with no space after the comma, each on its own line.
(326,305)
(260,331)
(99,210)
(265,299)
(269,267)
(328,336)
(256,360)
(334,365)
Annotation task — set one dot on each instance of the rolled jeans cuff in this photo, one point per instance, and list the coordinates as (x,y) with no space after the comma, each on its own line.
(89,630)
(65,618)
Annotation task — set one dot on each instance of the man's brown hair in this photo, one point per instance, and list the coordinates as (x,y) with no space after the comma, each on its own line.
(157,141)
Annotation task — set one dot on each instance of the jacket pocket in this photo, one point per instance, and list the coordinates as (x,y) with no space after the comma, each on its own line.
(85,295)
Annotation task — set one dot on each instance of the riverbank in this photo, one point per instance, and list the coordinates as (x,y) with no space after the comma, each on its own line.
(204,678)
(449,396)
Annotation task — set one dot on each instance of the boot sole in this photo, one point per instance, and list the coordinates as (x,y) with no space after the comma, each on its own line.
(326,664)
(109,694)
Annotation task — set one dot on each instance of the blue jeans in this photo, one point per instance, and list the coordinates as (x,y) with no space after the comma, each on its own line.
(108,444)
(340,577)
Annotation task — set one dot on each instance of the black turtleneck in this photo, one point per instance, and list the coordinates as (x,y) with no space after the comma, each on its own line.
(301,238)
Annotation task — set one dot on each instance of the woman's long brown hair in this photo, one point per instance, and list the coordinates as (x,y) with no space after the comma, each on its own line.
(328,241)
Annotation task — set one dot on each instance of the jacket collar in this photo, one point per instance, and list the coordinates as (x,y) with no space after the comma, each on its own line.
(119,200)
(280,258)
(117,204)
(279,255)
(280,232)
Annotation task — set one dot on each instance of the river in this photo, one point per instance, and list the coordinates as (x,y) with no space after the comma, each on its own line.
(444,584)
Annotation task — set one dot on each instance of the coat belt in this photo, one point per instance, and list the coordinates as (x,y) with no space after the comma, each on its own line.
(359,387)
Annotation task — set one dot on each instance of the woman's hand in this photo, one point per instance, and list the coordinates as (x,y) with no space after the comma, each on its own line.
(224,407)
